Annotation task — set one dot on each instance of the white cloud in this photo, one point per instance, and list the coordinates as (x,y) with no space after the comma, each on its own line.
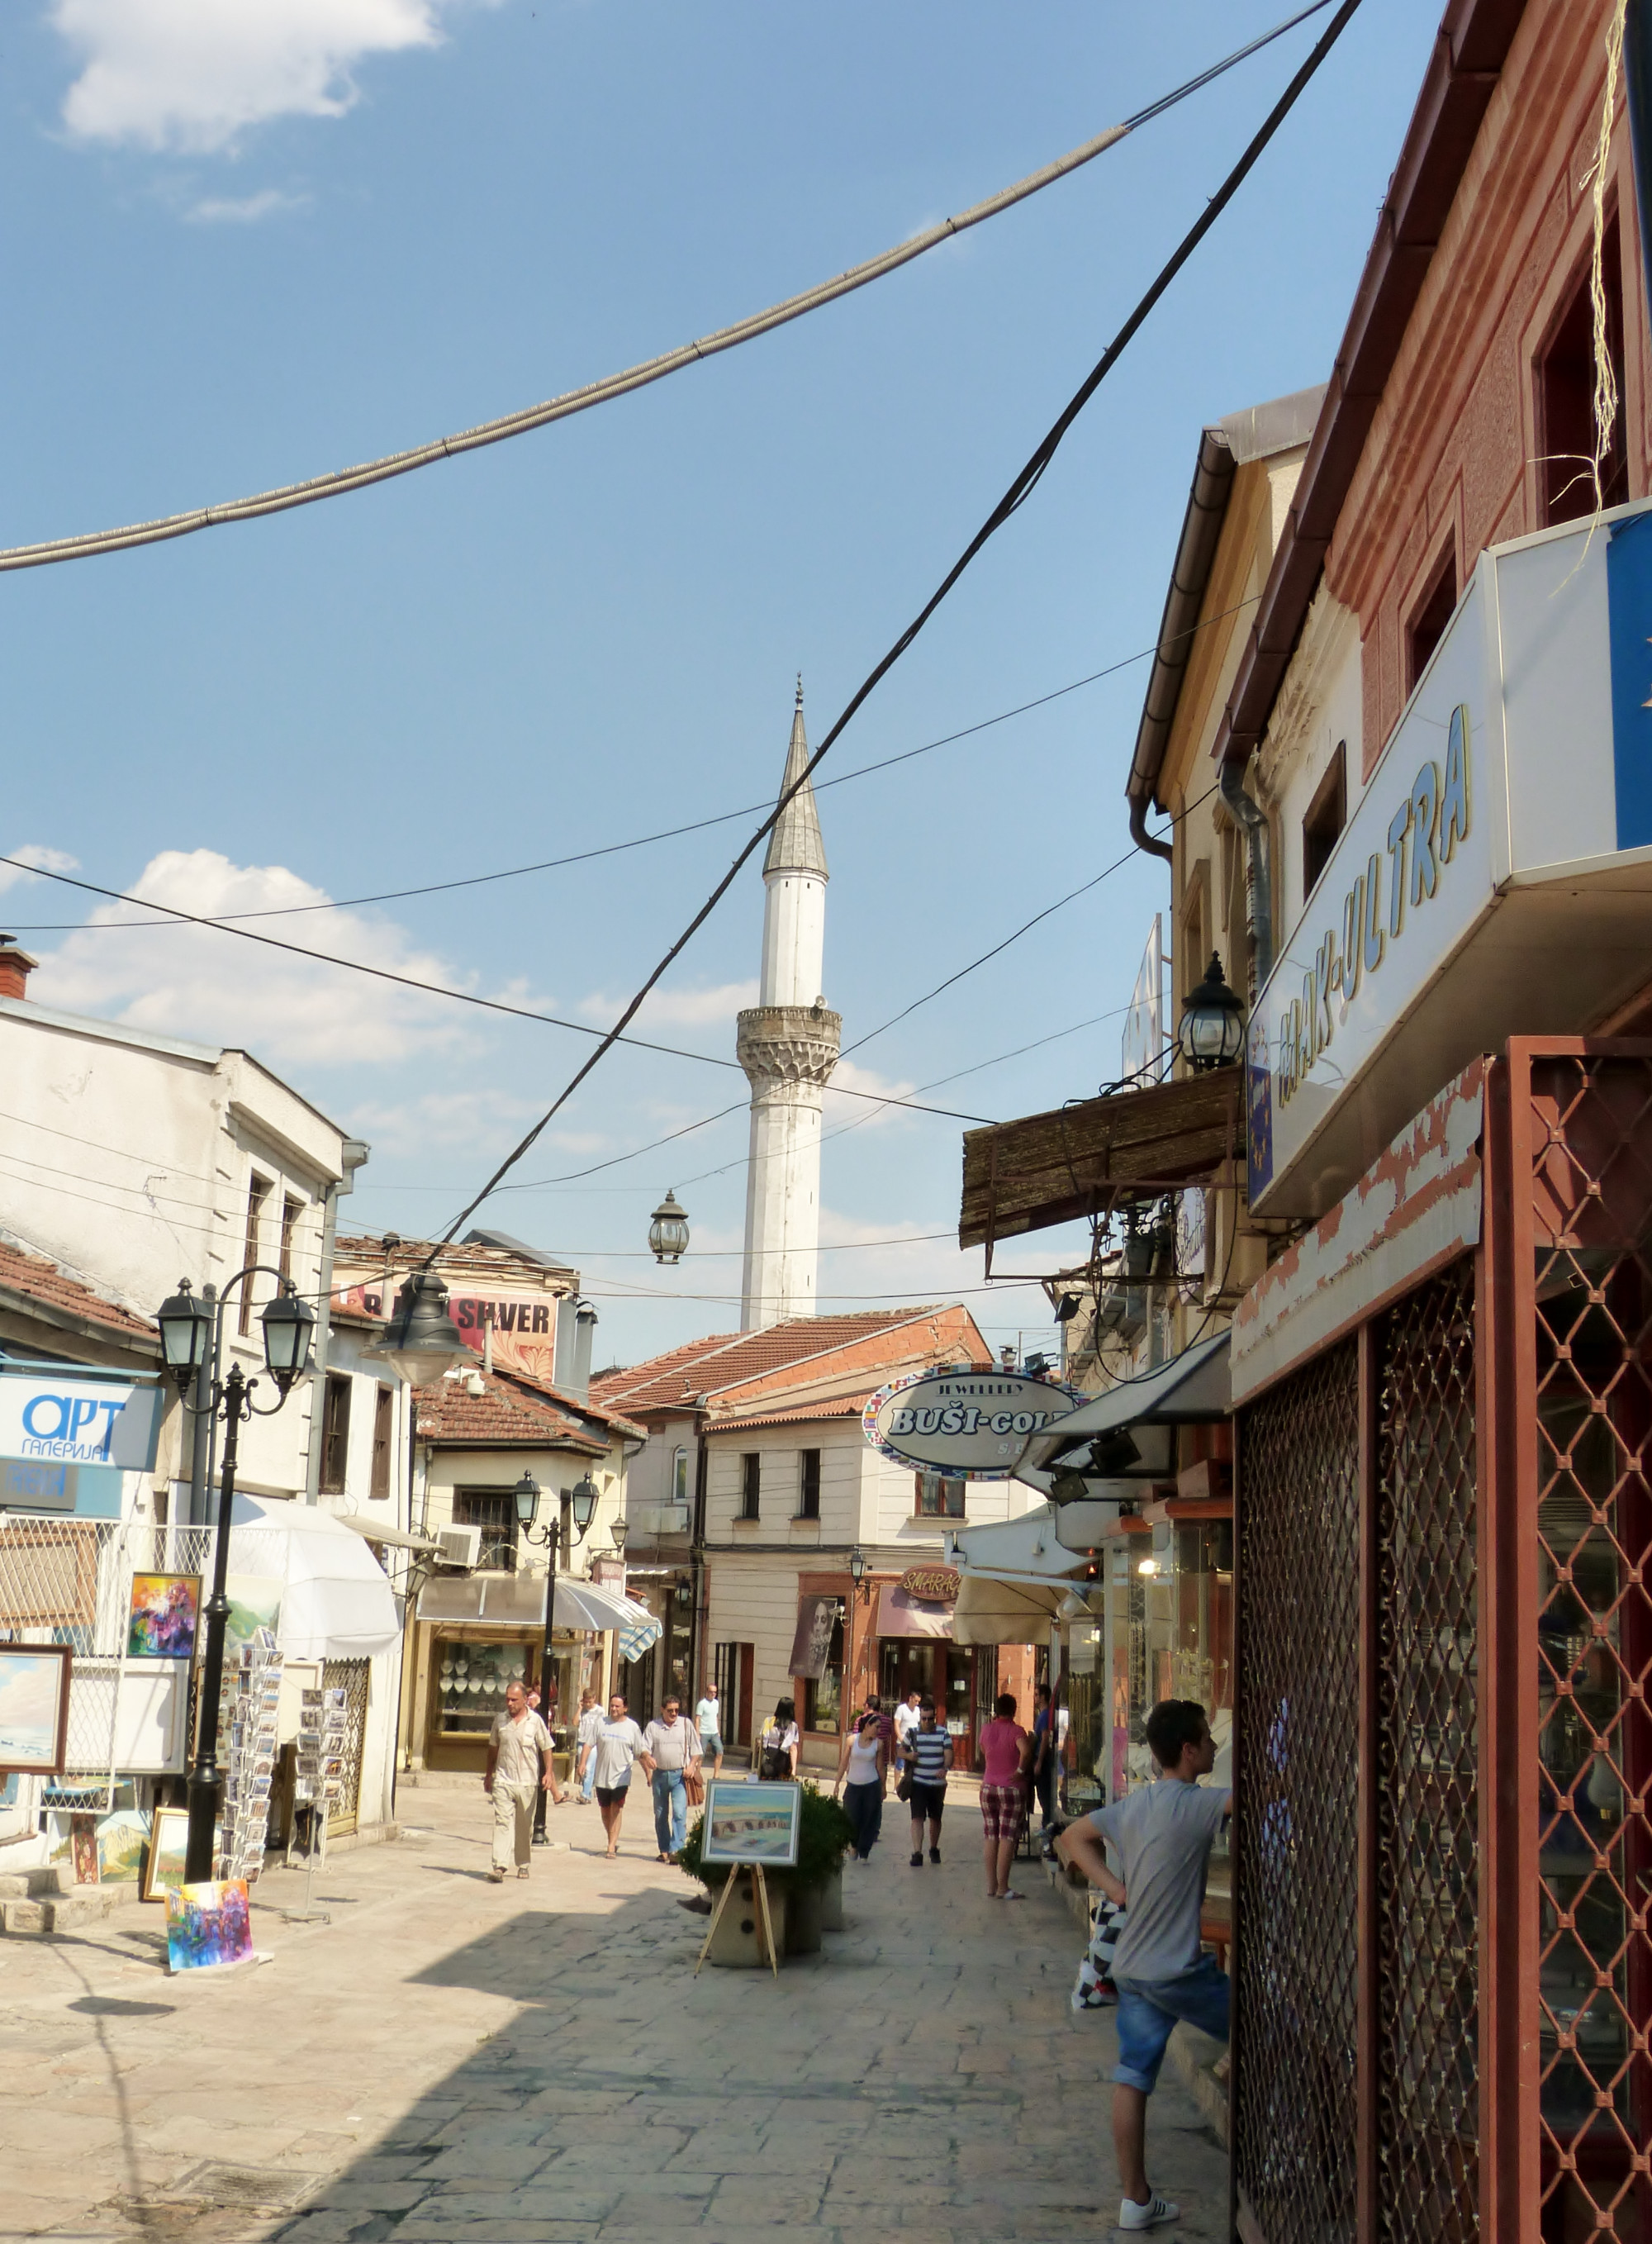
(677,1008)
(35,853)
(245,210)
(193,74)
(484,1122)
(193,981)
(849,1075)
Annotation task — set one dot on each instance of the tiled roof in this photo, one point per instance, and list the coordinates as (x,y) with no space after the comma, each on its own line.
(34,1277)
(511,1412)
(729,1359)
(463,1259)
(839,1406)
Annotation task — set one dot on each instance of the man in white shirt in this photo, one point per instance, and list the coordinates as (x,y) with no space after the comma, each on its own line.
(590,1719)
(618,1743)
(518,1765)
(708,1720)
(906,1717)
(673,1745)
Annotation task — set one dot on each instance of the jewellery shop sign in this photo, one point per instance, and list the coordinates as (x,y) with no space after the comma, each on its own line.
(83,1422)
(967,1424)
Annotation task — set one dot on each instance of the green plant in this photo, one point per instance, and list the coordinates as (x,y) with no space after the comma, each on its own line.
(825,1835)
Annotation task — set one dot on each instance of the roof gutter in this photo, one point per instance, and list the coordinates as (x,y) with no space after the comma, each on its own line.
(1469,53)
(1207,506)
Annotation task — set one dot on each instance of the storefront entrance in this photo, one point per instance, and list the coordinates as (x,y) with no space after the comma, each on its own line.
(960,1680)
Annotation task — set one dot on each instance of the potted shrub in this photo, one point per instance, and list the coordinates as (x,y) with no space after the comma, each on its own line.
(825,1835)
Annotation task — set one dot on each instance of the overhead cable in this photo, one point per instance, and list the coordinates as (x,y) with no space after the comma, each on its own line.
(286,496)
(1017,497)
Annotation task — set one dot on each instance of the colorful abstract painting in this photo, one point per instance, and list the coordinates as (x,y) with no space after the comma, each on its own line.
(164,1617)
(208,1924)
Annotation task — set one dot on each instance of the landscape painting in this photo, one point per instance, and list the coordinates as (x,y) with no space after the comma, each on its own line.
(208,1924)
(34,1707)
(751,1824)
(254,1602)
(164,1617)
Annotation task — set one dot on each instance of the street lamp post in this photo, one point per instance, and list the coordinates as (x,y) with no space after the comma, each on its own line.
(857,1575)
(578,1503)
(190,1333)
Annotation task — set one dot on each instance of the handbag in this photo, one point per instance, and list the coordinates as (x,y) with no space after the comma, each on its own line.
(694,1785)
(903,1790)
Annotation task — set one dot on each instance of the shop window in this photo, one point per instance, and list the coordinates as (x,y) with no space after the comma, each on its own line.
(822,1701)
(335,1434)
(493,1509)
(1427,626)
(257,1193)
(679,1479)
(471,1681)
(291,1210)
(383,1418)
(1327,816)
(750,1484)
(939,1496)
(1566,399)
(809,1484)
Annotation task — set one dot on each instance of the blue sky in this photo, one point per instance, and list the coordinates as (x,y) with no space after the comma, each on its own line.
(239,245)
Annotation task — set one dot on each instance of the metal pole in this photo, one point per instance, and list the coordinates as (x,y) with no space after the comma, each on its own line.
(205,1781)
(1637,75)
(546,1654)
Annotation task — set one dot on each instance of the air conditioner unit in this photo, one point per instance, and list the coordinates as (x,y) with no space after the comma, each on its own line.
(459,1546)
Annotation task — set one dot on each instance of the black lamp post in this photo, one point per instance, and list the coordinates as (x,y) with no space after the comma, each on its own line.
(1212,1030)
(191,1331)
(578,1503)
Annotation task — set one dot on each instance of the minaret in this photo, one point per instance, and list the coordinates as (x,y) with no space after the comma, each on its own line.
(788,1045)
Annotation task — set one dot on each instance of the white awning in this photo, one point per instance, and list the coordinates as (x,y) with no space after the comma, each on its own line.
(336,1602)
(394,1538)
(1192,1388)
(518,1601)
(1014,1575)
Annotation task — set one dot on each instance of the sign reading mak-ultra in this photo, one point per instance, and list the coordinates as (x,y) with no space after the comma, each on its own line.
(1502,837)
(80,1421)
(968,1424)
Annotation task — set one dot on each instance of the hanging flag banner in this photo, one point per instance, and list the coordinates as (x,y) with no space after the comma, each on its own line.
(968,1424)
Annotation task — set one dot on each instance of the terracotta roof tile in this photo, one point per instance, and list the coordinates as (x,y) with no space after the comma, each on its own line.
(41,1281)
(510,1412)
(728,1360)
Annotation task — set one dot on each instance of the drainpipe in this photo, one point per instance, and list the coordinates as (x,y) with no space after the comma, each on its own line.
(1637,75)
(353,1157)
(699,1598)
(1142,838)
(1258,877)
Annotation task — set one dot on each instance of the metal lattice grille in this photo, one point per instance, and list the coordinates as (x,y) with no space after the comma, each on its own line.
(351,1676)
(1592,1183)
(1427,1774)
(1295,1840)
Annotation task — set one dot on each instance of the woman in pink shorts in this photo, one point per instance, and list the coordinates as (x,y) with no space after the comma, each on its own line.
(1006,1749)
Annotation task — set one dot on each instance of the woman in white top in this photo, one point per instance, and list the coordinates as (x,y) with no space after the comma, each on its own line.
(859,1786)
(780,1756)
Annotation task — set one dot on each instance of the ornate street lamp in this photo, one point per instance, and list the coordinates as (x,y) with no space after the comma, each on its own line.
(574,1505)
(668,1231)
(191,1332)
(1212,1030)
(857,1565)
(419,1343)
(618,1531)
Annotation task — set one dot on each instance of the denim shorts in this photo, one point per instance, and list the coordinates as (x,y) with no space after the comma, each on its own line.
(710,1745)
(1148,2009)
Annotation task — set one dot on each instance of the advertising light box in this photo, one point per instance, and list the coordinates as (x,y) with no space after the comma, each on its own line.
(1495,877)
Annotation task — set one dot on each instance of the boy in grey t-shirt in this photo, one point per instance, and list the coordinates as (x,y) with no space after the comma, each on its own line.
(1163,1834)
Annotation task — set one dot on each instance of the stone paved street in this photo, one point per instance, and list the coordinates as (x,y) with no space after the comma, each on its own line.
(452,2060)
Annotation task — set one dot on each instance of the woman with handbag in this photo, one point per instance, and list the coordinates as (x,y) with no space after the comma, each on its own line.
(863,1764)
(779,1758)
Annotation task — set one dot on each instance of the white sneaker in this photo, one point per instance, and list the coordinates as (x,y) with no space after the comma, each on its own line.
(1157,2213)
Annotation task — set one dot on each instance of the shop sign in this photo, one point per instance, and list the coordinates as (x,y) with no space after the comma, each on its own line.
(967,1424)
(939,1583)
(1521,765)
(47,1417)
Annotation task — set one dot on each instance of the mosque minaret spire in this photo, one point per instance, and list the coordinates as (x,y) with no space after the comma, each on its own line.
(788,1045)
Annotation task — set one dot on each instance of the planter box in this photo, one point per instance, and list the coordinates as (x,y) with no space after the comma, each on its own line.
(736,1944)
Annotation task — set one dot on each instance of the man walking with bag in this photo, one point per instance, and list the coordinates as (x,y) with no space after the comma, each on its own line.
(673,1746)
(518,1767)
(1163,1834)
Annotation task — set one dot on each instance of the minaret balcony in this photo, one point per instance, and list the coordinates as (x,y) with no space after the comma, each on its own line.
(788,1044)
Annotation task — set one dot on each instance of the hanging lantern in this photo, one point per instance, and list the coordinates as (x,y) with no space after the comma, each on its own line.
(1212,1032)
(668,1231)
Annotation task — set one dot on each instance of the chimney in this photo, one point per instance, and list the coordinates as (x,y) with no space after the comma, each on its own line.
(15,967)
(562,1374)
(584,1327)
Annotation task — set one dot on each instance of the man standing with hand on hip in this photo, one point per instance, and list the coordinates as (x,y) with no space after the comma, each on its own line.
(518,1767)
(1161,1834)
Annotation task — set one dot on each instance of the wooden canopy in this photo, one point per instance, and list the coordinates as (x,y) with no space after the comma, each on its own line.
(1099,1153)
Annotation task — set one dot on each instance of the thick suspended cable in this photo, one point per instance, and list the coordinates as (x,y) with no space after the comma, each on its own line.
(286,496)
(1017,497)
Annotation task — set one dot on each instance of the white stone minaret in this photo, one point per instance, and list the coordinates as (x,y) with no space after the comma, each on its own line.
(788,1046)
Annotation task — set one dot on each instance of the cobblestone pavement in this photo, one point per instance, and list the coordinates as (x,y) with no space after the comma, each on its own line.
(451,2062)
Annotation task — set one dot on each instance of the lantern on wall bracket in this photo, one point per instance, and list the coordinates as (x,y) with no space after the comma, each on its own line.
(668,1231)
(1213,1030)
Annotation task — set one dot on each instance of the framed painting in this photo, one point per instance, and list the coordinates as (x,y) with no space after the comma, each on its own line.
(163,1616)
(34,1708)
(168,1840)
(751,1824)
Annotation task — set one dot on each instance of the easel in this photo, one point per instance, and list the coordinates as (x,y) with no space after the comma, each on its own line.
(309,1913)
(765,1922)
